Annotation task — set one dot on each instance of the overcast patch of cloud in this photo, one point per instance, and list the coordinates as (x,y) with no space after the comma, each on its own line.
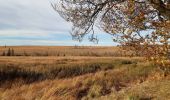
(32,19)
(30,14)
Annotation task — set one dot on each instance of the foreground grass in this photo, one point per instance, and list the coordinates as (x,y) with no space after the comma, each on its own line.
(84,78)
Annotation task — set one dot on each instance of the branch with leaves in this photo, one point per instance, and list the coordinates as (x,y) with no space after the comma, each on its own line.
(140,25)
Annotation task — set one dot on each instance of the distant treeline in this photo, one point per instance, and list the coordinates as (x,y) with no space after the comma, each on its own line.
(9,52)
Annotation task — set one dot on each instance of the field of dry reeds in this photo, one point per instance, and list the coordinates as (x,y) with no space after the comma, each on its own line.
(79,73)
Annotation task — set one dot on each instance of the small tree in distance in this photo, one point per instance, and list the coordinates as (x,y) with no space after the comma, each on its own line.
(12,52)
(9,52)
(138,25)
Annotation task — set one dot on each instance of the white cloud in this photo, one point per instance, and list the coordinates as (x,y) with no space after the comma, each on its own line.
(30,19)
(31,14)
(29,33)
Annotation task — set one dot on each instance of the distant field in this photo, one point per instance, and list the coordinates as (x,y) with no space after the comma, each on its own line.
(62,51)
(80,73)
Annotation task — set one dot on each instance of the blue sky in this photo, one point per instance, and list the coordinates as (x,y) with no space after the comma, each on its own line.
(34,22)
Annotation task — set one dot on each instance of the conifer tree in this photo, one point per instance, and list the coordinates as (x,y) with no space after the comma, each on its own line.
(9,52)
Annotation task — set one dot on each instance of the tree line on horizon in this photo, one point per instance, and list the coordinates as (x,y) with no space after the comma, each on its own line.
(10,52)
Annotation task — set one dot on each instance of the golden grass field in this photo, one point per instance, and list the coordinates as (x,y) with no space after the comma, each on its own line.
(62,51)
(79,73)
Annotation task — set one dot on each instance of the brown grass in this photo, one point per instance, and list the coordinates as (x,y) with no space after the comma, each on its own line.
(62,51)
(80,77)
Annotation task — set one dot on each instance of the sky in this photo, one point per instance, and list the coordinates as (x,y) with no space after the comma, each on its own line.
(34,22)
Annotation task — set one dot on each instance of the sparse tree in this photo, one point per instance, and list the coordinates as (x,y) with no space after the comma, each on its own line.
(138,25)
(12,52)
(9,52)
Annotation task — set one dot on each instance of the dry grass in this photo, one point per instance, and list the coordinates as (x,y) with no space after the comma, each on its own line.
(61,51)
(81,77)
(32,69)
(120,82)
